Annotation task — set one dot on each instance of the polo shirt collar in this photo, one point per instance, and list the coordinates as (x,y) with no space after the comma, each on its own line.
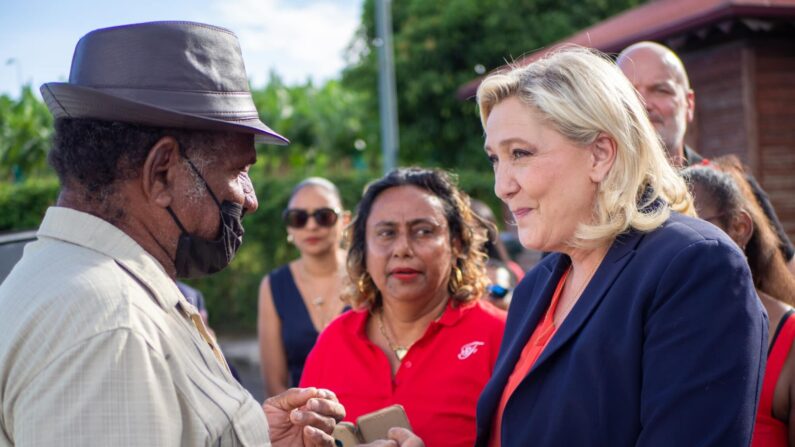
(89,231)
(451,315)
(455,311)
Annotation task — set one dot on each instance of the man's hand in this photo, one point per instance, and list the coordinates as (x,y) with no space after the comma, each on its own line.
(398,437)
(303,417)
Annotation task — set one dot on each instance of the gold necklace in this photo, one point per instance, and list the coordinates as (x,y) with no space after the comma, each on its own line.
(400,351)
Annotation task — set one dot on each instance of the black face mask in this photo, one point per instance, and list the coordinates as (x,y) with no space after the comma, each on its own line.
(197,256)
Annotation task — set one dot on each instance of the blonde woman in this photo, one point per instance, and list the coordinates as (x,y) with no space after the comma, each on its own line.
(643,327)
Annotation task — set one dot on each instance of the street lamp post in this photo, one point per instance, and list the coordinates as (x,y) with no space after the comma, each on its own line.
(387,98)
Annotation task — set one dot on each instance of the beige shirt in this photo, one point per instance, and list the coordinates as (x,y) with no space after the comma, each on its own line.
(94,351)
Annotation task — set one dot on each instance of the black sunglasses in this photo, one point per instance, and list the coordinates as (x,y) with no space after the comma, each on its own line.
(297,217)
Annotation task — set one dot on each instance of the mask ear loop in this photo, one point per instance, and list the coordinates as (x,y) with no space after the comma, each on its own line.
(206,185)
(176,220)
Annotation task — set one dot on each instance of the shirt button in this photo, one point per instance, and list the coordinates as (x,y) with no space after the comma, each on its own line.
(407,364)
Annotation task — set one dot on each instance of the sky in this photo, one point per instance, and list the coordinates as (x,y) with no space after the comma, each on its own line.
(298,39)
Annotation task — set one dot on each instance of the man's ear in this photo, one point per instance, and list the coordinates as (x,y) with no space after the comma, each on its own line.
(160,171)
(690,97)
(603,155)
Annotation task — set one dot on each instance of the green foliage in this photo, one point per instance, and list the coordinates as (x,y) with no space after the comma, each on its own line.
(324,124)
(22,204)
(439,44)
(25,130)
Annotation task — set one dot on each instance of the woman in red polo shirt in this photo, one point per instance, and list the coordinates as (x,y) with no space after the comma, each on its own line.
(419,335)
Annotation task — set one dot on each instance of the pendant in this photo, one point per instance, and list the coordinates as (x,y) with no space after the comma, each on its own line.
(318,301)
(400,353)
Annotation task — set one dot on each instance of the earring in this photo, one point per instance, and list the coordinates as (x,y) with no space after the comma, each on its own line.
(360,283)
(457,277)
(290,239)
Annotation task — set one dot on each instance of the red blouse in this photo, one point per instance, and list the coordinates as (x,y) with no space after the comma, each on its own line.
(542,334)
(769,431)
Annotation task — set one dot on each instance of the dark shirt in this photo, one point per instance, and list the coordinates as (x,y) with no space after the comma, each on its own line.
(298,332)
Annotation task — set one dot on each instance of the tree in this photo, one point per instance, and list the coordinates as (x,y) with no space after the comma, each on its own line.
(25,131)
(327,126)
(440,45)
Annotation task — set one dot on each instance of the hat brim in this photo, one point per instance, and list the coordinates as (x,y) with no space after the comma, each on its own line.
(73,101)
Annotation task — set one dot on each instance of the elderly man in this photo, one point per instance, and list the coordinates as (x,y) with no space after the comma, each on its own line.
(660,77)
(154,139)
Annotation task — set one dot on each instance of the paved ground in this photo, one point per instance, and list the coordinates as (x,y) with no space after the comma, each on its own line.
(243,354)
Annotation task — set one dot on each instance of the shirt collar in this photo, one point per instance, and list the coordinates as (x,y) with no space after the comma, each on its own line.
(455,311)
(451,315)
(89,231)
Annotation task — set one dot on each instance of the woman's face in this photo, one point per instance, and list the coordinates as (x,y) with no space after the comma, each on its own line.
(545,179)
(409,255)
(314,239)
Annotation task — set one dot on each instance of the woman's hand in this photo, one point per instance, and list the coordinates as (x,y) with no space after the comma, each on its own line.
(303,417)
(398,437)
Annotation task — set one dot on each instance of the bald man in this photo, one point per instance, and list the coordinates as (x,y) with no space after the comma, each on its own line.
(661,79)
(659,76)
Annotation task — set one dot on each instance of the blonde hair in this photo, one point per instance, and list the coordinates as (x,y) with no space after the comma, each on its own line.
(581,94)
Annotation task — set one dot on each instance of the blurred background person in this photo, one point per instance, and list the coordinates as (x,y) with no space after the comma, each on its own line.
(298,300)
(722,199)
(502,271)
(642,326)
(420,335)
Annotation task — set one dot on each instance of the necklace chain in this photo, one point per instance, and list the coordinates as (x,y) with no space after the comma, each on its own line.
(400,351)
(319,300)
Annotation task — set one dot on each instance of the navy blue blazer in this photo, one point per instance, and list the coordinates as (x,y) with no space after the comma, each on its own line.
(665,347)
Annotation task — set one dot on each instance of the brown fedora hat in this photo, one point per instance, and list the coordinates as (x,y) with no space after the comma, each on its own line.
(165,74)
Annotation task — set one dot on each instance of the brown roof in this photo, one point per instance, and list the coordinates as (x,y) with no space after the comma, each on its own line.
(657,20)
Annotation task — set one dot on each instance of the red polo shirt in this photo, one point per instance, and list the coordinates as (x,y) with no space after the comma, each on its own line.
(438,382)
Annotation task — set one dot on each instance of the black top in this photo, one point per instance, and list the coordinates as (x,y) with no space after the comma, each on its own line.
(298,332)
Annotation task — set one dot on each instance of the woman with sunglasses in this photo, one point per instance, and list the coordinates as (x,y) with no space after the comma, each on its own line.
(298,300)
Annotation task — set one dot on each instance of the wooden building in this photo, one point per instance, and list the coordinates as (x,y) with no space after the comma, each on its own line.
(740,57)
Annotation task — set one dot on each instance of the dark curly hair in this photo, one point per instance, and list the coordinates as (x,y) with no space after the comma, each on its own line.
(464,225)
(92,155)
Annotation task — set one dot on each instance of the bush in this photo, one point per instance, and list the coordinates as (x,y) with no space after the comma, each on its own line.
(22,205)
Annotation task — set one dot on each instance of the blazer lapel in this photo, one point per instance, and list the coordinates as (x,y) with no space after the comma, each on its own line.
(517,333)
(620,253)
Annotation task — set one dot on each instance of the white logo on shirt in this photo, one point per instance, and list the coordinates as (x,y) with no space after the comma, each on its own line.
(469,349)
